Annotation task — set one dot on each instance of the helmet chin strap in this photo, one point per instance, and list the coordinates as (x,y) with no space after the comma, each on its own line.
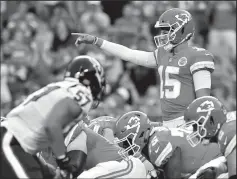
(170,46)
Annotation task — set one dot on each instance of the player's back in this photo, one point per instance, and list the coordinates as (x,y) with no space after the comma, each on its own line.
(28,121)
(176,70)
(99,149)
(191,158)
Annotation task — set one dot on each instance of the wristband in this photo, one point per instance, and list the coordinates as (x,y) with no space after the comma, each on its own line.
(98,42)
(95,40)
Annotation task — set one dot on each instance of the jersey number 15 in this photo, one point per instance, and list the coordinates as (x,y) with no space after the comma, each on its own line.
(167,81)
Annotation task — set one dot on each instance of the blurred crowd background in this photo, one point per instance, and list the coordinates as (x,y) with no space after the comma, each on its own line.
(36,45)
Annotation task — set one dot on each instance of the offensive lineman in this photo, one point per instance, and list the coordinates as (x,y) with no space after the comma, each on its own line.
(39,121)
(185,71)
(210,121)
(165,148)
(93,156)
(105,126)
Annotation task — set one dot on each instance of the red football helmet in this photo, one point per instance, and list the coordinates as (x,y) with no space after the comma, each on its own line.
(174,27)
(205,116)
(132,132)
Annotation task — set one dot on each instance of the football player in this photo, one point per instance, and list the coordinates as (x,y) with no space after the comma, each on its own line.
(166,148)
(184,70)
(39,122)
(105,126)
(93,156)
(209,120)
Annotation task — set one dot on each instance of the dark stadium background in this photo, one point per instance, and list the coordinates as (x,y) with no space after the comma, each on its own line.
(36,45)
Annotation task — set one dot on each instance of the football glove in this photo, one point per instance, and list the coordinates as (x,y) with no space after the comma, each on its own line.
(85,38)
(65,168)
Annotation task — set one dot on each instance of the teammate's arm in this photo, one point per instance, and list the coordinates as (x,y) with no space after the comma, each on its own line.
(77,152)
(135,56)
(172,168)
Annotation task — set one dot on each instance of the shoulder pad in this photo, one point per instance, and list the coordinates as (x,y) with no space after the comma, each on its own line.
(201,59)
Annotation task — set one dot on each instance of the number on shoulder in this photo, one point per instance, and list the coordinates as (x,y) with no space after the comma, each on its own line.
(83,97)
(160,151)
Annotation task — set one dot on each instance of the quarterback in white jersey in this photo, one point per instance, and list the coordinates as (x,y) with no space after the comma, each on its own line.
(39,122)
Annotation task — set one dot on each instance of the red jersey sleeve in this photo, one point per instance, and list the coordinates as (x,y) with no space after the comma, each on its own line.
(201,60)
(160,150)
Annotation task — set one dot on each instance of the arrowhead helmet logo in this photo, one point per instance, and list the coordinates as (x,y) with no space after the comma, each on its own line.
(132,123)
(206,106)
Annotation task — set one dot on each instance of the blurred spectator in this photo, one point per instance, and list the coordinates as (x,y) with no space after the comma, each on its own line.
(200,14)
(60,12)
(62,36)
(129,25)
(222,36)
(3,6)
(94,19)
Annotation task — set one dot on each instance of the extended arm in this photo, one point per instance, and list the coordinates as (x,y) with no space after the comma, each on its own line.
(135,56)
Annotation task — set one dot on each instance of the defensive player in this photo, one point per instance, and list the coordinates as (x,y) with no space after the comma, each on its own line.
(93,156)
(185,71)
(165,148)
(39,121)
(207,116)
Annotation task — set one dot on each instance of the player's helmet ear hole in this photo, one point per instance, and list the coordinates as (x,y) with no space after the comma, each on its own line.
(182,30)
(212,122)
(142,134)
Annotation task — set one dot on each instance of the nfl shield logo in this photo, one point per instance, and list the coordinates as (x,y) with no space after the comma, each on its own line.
(182,61)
